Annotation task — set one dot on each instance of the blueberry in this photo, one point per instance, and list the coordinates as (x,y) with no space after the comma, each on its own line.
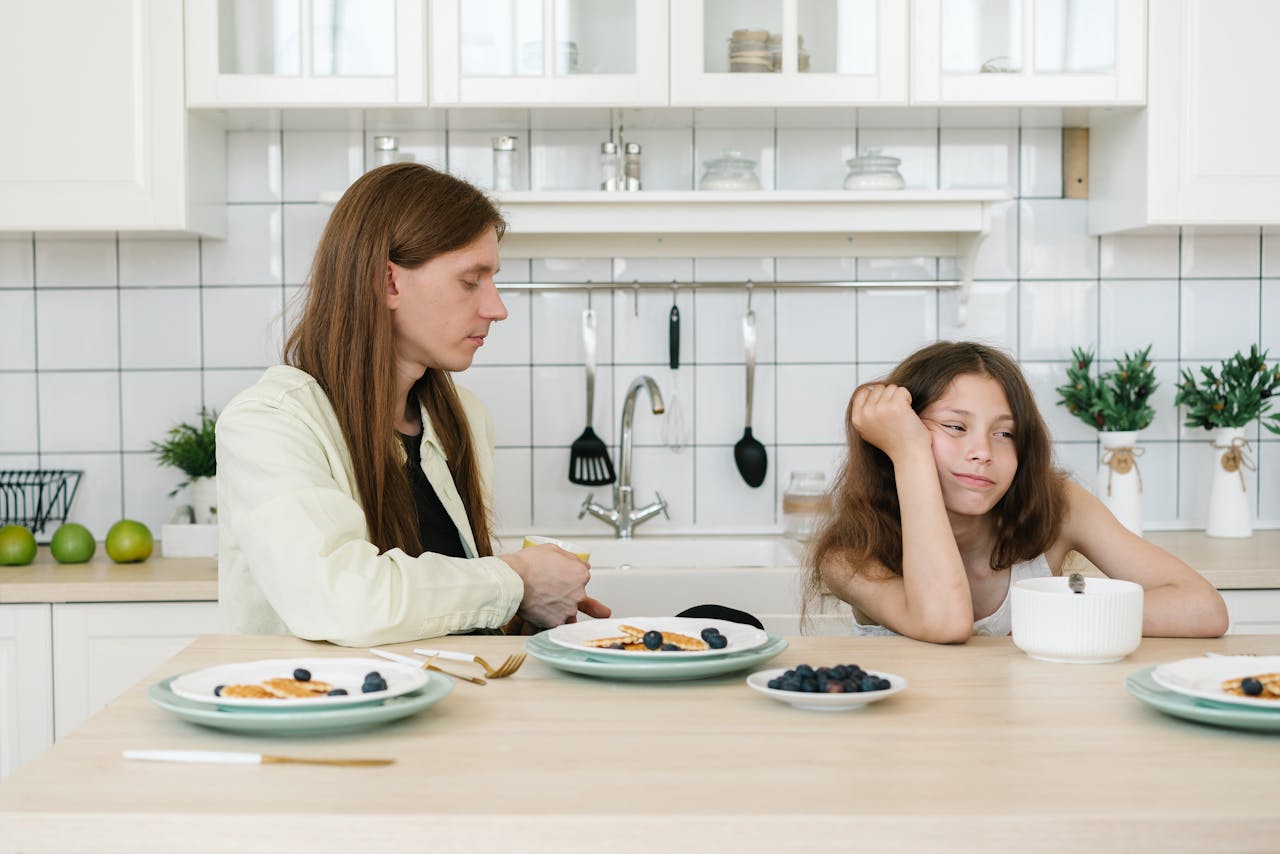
(868,683)
(372,674)
(709,633)
(850,686)
(882,684)
(775,683)
(217,691)
(338,692)
(670,647)
(804,670)
(652,639)
(371,687)
(1251,686)
(302,674)
(717,641)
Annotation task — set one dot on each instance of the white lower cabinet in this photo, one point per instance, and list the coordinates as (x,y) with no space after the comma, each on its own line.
(26,685)
(101,649)
(1253,612)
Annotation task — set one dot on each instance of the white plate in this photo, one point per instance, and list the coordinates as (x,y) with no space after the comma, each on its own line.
(1203,677)
(339,672)
(824,702)
(575,636)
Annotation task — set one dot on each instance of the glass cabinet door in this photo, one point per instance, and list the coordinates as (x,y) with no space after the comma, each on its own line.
(549,52)
(284,52)
(1028,51)
(788,51)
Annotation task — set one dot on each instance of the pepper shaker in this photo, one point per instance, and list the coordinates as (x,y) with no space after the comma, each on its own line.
(631,166)
(504,163)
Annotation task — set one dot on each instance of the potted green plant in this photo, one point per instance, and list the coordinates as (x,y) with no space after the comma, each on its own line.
(1225,401)
(190,448)
(1118,405)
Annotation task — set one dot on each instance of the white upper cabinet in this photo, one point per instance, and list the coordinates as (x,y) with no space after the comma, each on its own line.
(1028,52)
(1204,150)
(279,53)
(97,136)
(788,52)
(531,53)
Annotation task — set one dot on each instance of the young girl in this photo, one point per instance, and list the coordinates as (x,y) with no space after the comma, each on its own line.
(949,497)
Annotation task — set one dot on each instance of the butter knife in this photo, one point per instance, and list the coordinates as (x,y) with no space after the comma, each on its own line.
(226,757)
(428,665)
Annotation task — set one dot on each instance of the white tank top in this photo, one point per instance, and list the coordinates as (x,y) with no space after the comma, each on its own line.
(1000,622)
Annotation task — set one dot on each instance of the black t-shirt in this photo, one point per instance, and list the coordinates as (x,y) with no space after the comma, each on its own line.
(435,527)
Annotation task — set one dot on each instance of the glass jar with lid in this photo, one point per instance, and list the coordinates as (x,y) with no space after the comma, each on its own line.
(729,171)
(872,170)
(749,51)
(804,503)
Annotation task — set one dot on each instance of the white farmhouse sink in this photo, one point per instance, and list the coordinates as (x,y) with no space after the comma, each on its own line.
(661,576)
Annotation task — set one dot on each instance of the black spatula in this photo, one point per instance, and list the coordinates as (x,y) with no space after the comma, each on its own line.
(589,463)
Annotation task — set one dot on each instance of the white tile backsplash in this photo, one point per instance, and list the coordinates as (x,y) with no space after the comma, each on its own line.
(160,328)
(18,343)
(77,329)
(1210,255)
(199,319)
(75,262)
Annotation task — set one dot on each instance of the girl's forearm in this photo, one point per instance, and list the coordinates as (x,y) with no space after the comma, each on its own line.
(1174,610)
(938,600)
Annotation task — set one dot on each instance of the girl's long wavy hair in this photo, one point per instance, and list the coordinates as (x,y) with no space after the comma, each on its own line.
(864,523)
(406,213)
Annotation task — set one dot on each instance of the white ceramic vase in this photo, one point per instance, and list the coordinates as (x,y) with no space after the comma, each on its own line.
(1119,481)
(204,500)
(1230,514)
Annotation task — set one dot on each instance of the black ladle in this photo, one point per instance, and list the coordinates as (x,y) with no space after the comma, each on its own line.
(749,454)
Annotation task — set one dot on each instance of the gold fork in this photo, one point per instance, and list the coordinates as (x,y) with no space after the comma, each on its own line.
(506,668)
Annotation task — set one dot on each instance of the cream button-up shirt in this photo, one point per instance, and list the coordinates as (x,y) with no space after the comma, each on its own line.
(294,555)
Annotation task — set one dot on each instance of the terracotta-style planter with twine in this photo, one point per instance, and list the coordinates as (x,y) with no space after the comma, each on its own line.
(1119,480)
(1230,512)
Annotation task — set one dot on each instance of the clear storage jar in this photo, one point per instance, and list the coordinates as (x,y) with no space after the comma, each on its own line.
(749,52)
(872,170)
(804,502)
(729,171)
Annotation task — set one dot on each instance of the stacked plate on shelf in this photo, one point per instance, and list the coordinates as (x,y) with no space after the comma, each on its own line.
(197,696)
(569,648)
(1193,689)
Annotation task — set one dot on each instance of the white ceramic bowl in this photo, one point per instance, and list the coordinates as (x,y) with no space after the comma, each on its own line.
(1104,623)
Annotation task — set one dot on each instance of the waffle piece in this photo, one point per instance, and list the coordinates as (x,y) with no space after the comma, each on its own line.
(684,642)
(292,689)
(605,643)
(249,692)
(1270,686)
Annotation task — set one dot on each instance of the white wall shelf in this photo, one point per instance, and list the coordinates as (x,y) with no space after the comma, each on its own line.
(822,223)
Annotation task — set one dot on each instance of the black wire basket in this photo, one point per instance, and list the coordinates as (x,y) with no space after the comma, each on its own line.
(37,498)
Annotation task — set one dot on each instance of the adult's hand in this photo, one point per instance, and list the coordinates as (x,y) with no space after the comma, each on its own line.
(555,585)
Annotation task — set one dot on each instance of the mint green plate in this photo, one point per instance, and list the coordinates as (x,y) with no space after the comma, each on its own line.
(311,721)
(649,669)
(1141,685)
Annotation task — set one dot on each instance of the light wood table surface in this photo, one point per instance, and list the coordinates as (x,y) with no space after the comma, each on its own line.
(987,750)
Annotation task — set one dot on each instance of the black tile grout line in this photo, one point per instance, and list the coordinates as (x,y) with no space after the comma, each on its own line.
(1177,462)
(1017,247)
(119,376)
(35,345)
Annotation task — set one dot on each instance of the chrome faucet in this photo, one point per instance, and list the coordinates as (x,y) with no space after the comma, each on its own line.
(623,516)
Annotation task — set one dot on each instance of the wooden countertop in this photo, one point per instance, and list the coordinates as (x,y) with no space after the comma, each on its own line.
(986,751)
(1245,564)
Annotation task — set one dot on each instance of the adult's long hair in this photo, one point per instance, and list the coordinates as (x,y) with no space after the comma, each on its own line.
(406,213)
(864,525)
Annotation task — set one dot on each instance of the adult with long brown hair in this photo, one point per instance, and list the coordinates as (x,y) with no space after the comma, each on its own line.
(354,480)
(949,496)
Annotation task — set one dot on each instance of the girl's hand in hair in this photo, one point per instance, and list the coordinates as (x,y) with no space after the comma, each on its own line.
(882,415)
(555,585)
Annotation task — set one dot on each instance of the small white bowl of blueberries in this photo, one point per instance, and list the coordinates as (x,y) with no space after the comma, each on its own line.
(826,689)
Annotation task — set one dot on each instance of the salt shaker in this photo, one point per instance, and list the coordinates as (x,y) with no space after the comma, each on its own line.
(610,167)
(504,163)
(631,166)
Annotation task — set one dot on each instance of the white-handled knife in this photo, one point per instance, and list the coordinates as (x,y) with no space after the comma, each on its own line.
(227,757)
(448,654)
(413,662)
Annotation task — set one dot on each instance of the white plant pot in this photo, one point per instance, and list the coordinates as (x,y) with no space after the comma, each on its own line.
(1119,481)
(204,500)
(1230,513)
